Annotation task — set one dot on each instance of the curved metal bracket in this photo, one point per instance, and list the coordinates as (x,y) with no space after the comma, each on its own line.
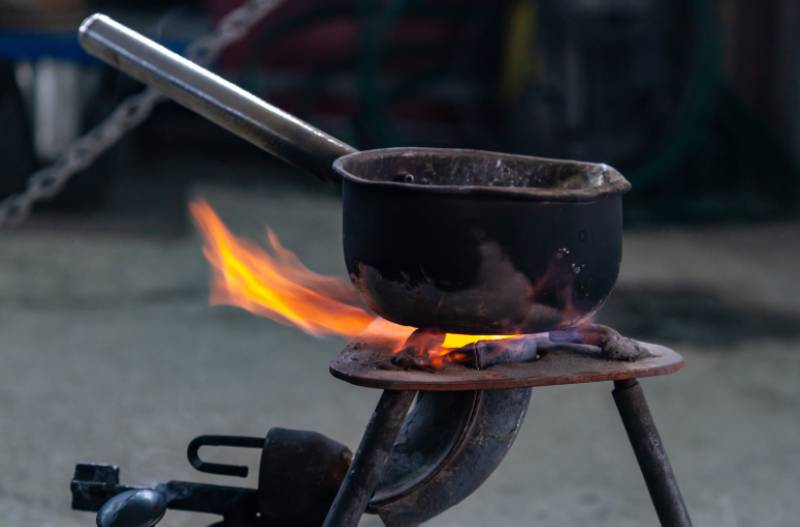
(224,469)
(449,445)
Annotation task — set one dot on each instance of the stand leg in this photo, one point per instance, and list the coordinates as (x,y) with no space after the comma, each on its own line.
(650,454)
(364,475)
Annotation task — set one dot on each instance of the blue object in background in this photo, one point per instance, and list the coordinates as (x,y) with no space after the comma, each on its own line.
(18,46)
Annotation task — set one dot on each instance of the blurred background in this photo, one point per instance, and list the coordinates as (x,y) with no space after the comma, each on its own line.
(691,99)
(110,352)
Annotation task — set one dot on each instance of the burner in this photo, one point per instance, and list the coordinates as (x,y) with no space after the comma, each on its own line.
(591,353)
(372,366)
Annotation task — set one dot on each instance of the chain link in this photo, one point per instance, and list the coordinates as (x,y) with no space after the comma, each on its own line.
(47,182)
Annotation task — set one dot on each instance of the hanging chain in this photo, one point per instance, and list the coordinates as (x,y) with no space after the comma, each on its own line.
(48,181)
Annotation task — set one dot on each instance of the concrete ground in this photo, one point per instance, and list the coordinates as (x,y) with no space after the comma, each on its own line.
(110,353)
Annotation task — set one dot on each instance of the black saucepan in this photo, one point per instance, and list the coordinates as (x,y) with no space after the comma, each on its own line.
(459,240)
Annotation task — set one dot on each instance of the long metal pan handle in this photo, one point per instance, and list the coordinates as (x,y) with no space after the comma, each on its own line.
(213,97)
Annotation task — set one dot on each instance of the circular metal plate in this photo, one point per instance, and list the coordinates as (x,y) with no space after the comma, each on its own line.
(371,366)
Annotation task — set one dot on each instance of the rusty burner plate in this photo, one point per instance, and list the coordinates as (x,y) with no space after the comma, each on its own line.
(371,366)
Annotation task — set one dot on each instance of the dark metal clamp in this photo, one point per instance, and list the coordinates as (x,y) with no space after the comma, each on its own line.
(299,474)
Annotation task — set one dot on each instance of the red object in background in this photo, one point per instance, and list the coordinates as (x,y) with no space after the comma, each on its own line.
(333,34)
(333,40)
(303,48)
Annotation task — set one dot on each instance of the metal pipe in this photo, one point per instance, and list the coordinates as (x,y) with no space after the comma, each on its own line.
(650,454)
(216,99)
(365,472)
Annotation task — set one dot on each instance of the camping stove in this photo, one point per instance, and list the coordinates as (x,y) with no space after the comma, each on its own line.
(413,462)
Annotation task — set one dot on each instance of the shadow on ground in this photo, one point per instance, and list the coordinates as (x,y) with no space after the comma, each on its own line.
(693,315)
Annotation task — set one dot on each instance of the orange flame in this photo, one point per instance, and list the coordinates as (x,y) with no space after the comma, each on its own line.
(274,283)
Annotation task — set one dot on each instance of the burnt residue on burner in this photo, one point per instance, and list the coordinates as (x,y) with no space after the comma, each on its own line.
(612,345)
(423,350)
(372,356)
(488,353)
(479,355)
(405,360)
(416,351)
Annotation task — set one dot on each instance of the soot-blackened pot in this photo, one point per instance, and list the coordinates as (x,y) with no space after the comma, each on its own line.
(480,242)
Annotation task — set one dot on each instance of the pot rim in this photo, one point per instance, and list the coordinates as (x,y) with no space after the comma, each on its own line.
(613,183)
